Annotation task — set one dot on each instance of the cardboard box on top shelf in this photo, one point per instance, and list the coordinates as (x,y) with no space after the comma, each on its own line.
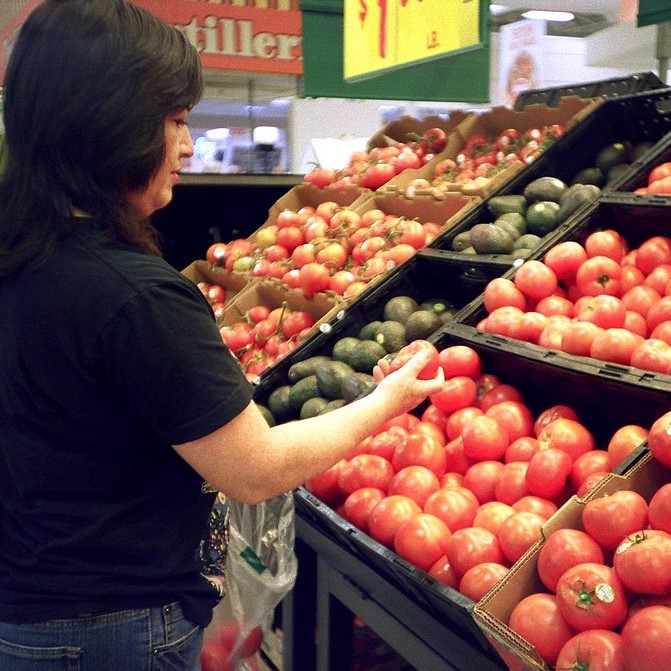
(233,282)
(571,111)
(406,127)
(645,476)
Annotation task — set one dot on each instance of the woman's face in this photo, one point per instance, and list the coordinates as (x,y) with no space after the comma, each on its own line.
(178,145)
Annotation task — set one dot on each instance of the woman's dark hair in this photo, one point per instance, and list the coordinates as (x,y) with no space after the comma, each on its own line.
(88,86)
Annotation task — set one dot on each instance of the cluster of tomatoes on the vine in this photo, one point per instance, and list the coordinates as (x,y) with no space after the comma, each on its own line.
(659,181)
(373,168)
(597,299)
(463,490)
(326,248)
(262,335)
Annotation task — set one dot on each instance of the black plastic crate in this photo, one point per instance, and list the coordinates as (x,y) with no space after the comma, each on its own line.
(605,88)
(603,404)
(424,276)
(644,117)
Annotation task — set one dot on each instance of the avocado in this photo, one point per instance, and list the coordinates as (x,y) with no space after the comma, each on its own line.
(304,389)
(342,349)
(399,308)
(583,193)
(312,407)
(267,415)
(392,335)
(508,227)
(365,355)
(617,171)
(637,151)
(528,241)
(518,220)
(422,324)
(521,253)
(330,375)
(301,369)
(612,155)
(545,188)
(542,217)
(333,405)
(589,176)
(437,305)
(491,239)
(279,405)
(498,205)
(356,386)
(369,331)
(460,242)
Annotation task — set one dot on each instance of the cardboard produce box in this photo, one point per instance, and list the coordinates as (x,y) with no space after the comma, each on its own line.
(645,476)
(201,271)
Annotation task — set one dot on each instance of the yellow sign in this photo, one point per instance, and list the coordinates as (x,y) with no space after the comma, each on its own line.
(384,34)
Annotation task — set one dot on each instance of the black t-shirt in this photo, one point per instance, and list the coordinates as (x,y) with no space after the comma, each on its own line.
(108,356)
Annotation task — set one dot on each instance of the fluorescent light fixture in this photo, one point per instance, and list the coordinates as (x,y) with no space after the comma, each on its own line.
(495,10)
(217,134)
(542,15)
(266,134)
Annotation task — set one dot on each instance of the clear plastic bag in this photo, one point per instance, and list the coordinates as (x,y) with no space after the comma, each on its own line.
(261,565)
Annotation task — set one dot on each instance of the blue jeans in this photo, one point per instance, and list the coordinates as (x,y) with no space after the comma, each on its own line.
(152,639)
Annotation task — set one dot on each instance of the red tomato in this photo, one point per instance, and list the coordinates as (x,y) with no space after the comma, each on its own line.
(564,259)
(535,504)
(313,277)
(443,572)
(593,650)
(591,596)
(415,482)
(659,278)
(564,549)
(659,439)
(420,449)
(452,479)
(518,533)
(359,505)
(460,360)
(511,485)
(216,254)
(659,509)
(521,449)
(422,540)
(498,394)
(623,442)
(578,337)
(456,460)
(406,353)
(471,546)
(548,472)
(631,277)
(501,292)
(537,619)
(662,332)
(636,324)
(365,470)
(551,414)
(325,486)
(215,657)
(640,299)
(568,435)
(555,305)
(660,312)
(609,519)
(590,482)
(491,515)
(514,417)
(594,461)
(456,393)
(654,252)
(653,355)
(320,177)
(455,506)
(481,479)
(646,639)
(387,517)
(484,438)
(479,579)
(603,310)
(659,172)
(642,561)
(535,279)
(432,430)
(456,421)
(606,243)
(599,275)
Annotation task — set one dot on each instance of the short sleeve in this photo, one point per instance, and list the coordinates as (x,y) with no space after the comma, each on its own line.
(163,354)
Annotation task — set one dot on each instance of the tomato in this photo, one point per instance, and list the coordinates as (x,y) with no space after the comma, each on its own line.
(578,337)
(555,305)
(406,353)
(484,438)
(325,486)
(590,482)
(359,505)
(470,546)
(420,449)
(498,394)
(609,519)
(452,479)
(655,251)
(455,506)
(481,479)
(521,449)
(422,540)
(642,561)
(631,277)
(551,336)
(435,139)
(537,619)
(296,321)
(456,460)
(215,657)
(518,533)
(514,417)
(548,472)
(511,485)
(535,504)
(660,312)
(640,299)
(479,579)
(659,509)
(385,442)
(564,549)
(653,355)
(443,572)
(606,243)
(365,470)
(646,639)
(603,310)
(594,461)
(659,278)
(432,430)
(591,596)
(659,439)
(456,393)
(415,482)
(313,277)
(593,650)
(501,292)
(623,442)
(636,323)
(659,172)
(388,515)
(459,360)
(320,177)
(564,259)
(216,254)
(552,413)
(662,332)
(599,275)
(535,279)
(568,435)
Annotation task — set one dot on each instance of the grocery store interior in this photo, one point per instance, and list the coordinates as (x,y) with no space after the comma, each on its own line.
(542,207)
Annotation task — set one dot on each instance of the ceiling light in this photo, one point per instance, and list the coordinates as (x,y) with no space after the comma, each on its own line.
(548,16)
(217,134)
(495,10)
(266,134)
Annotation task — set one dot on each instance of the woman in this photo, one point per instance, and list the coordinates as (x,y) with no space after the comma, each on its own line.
(118,400)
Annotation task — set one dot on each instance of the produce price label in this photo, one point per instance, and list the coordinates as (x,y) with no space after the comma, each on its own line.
(384,34)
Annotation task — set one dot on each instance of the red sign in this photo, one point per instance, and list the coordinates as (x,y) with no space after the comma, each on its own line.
(242,35)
